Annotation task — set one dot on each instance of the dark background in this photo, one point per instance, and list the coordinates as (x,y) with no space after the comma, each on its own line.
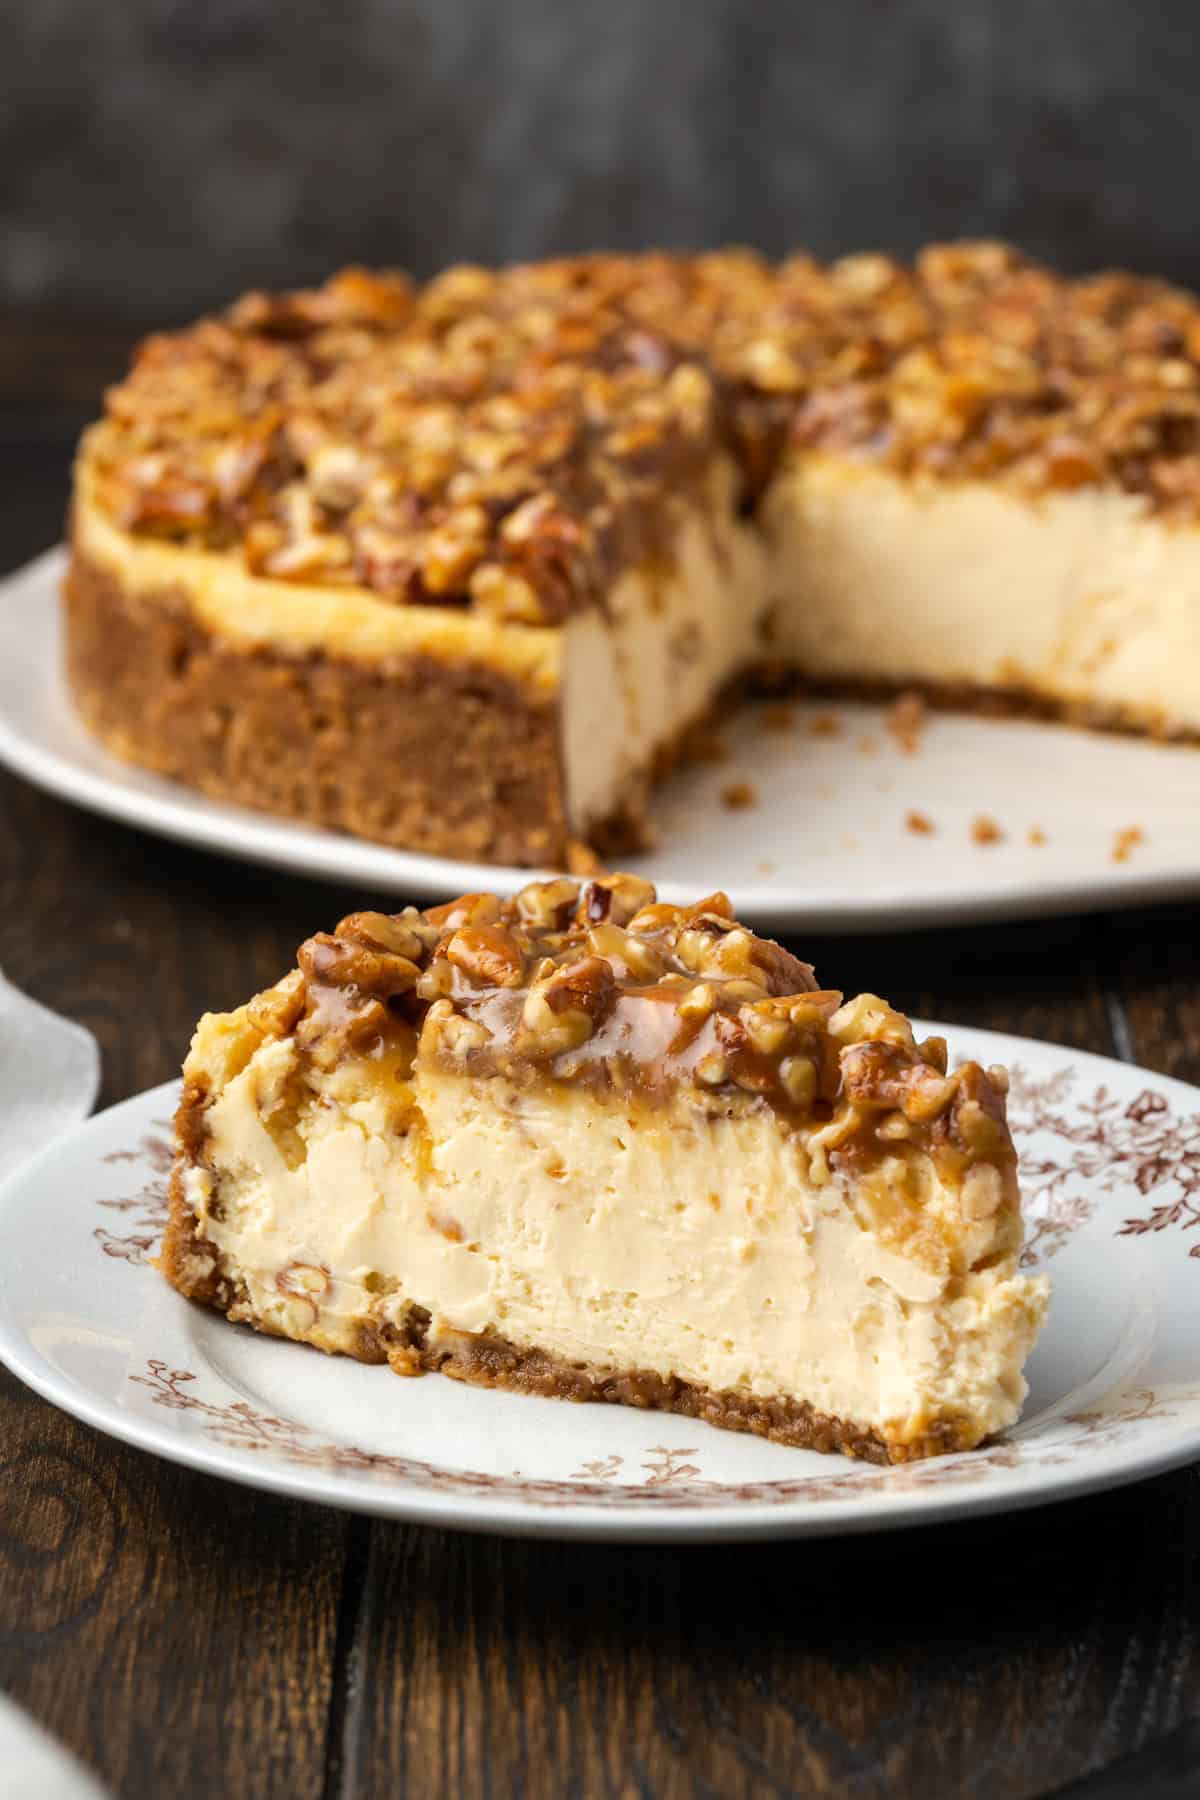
(157,156)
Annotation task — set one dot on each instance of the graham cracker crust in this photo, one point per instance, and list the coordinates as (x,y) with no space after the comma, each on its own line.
(489,1361)
(187,1261)
(1014,700)
(450,758)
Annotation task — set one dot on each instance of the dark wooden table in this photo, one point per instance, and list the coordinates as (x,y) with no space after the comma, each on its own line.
(190,1638)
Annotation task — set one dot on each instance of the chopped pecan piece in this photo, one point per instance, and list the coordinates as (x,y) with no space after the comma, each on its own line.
(487,955)
(471,909)
(383,931)
(340,962)
(562,1012)
(614,899)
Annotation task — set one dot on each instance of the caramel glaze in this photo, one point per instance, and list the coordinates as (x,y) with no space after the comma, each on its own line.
(507,441)
(596,985)
(643,1046)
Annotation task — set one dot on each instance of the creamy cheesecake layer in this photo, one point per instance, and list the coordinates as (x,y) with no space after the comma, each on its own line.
(1083,598)
(713,1250)
(671,636)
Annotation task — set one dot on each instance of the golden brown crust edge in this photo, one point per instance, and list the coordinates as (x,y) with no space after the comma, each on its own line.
(189,1264)
(456,759)
(1014,698)
(488,1361)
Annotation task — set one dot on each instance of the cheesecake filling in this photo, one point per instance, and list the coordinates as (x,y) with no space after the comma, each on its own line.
(1082,599)
(714,1249)
(673,633)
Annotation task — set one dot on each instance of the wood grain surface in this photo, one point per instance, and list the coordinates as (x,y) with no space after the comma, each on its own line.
(188,1638)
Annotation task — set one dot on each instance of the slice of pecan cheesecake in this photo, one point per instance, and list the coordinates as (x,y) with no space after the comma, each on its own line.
(580,1143)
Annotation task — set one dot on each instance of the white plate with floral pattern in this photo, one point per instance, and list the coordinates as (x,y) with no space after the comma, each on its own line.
(826,817)
(1110,1159)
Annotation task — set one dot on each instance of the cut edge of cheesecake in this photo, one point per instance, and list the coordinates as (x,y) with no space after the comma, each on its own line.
(582,1144)
(501,743)
(508,743)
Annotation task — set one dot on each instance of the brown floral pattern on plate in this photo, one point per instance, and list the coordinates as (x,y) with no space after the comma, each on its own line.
(149,1203)
(1098,1144)
(1102,1144)
(668,1479)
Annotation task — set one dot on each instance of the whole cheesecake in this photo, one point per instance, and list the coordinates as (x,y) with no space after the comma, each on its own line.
(579,1143)
(457,567)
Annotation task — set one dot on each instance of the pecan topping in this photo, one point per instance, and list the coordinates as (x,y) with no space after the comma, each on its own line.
(598,983)
(380,931)
(508,441)
(471,909)
(614,899)
(342,963)
(547,905)
(487,955)
(562,1010)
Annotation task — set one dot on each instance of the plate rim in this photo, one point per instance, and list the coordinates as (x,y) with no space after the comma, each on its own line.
(513,1517)
(185,816)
